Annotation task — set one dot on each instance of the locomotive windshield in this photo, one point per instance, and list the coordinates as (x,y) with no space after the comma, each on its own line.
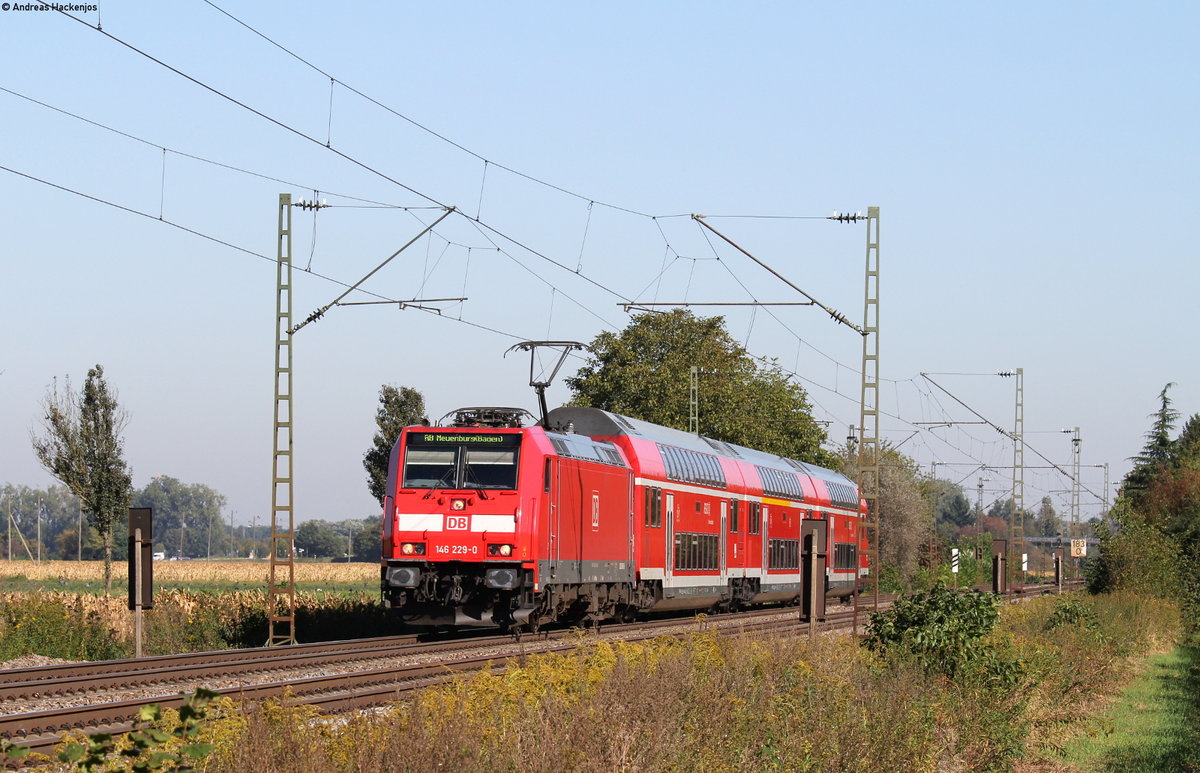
(456,460)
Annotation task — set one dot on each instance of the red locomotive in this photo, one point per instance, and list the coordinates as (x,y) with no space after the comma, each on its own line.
(590,515)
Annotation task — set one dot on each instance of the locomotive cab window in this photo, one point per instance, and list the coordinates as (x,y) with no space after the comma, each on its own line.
(485,468)
(461,461)
(424,468)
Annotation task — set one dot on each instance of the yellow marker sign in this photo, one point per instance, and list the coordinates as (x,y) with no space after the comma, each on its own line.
(1078,548)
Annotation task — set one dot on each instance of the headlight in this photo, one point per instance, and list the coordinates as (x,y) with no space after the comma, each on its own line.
(502,578)
(413,548)
(499,550)
(506,550)
(403,576)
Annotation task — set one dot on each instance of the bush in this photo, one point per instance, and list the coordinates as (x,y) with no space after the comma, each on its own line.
(44,625)
(87,627)
(942,630)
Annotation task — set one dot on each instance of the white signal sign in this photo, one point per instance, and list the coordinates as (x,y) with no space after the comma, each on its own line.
(954,560)
(1024,562)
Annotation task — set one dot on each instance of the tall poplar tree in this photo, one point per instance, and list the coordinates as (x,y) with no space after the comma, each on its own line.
(81,445)
(399,407)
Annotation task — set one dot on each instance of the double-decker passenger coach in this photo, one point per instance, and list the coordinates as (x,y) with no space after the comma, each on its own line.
(591,515)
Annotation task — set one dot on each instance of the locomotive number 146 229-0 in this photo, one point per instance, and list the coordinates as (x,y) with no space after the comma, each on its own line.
(457,550)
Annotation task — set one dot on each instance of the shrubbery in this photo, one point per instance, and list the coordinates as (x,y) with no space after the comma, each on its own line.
(54,627)
(940,629)
(949,681)
(87,627)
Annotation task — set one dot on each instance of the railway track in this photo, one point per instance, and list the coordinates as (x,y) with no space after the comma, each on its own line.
(334,676)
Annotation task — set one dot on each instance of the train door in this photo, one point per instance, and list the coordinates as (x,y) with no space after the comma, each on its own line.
(669,536)
(724,561)
(766,554)
(632,526)
(575,508)
(555,528)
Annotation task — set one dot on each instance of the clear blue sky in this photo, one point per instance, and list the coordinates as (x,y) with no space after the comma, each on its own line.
(1034,163)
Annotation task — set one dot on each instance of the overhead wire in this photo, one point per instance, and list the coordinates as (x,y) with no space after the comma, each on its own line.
(333,280)
(247,251)
(379,173)
(364,165)
(351,159)
(165,149)
(419,125)
(202,159)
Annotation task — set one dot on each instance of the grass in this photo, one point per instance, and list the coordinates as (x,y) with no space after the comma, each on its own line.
(58,608)
(216,576)
(710,702)
(1153,724)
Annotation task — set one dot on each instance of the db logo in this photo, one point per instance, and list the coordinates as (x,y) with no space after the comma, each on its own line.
(458,522)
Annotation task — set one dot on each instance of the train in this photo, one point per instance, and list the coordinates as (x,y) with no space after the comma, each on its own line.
(493,518)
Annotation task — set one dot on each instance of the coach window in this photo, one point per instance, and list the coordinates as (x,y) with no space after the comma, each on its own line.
(653,506)
(755,517)
(733,516)
(546,476)
(671,457)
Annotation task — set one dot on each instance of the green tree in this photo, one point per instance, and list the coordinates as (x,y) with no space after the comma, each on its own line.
(1157,450)
(1047,523)
(366,539)
(51,513)
(320,539)
(187,516)
(905,512)
(645,372)
(1153,545)
(399,407)
(951,506)
(81,446)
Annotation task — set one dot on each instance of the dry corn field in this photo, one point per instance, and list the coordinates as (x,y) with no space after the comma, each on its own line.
(183,572)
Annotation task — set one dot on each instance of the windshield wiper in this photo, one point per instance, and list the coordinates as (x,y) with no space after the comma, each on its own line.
(440,481)
(468,475)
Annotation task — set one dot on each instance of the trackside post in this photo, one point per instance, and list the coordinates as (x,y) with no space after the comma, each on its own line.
(141,568)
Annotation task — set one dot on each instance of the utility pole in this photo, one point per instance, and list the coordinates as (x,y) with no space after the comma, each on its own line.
(868,417)
(1016,526)
(79,505)
(979,503)
(39,530)
(281,583)
(1076,443)
(1106,489)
